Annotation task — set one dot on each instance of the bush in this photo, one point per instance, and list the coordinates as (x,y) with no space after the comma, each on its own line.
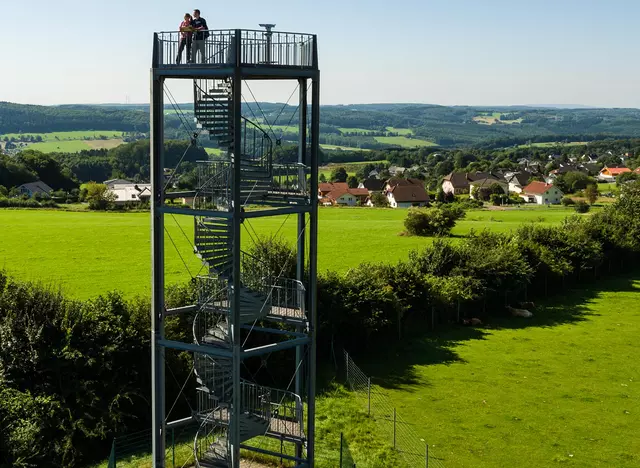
(498,199)
(582,207)
(433,221)
(568,201)
(26,203)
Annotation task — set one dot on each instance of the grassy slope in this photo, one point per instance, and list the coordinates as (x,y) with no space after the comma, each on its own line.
(528,393)
(90,253)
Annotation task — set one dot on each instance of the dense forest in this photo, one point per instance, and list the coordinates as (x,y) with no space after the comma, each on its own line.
(343,125)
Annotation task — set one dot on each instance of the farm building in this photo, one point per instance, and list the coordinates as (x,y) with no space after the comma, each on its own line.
(406,196)
(609,174)
(127,193)
(542,193)
(31,188)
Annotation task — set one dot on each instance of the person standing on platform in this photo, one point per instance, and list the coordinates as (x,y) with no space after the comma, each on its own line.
(200,36)
(186,36)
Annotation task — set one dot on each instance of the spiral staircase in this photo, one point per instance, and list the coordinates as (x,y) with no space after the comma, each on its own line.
(262,295)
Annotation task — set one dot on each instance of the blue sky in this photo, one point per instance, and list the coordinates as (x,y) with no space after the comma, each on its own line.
(490,52)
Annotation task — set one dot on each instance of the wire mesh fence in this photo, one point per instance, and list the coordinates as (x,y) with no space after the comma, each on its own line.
(400,433)
(134,449)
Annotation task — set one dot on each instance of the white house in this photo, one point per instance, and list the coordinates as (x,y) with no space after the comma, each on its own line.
(542,193)
(131,193)
(609,174)
(405,196)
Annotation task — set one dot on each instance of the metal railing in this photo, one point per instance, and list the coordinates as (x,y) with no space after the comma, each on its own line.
(257,48)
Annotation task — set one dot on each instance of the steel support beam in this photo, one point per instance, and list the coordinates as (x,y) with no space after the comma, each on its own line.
(236,410)
(302,159)
(157,267)
(226,214)
(272,347)
(194,348)
(180,310)
(313,261)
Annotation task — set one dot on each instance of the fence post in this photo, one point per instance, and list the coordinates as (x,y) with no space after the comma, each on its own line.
(394,428)
(369,393)
(112,456)
(173,447)
(341,450)
(346,355)
(427,456)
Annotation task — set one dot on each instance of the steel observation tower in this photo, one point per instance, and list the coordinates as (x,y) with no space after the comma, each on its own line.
(238,295)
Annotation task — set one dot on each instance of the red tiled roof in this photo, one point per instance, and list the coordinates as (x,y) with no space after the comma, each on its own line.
(537,188)
(356,192)
(616,170)
(326,187)
(409,193)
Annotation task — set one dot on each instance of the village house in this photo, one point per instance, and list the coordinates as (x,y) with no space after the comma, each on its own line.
(405,196)
(393,181)
(609,174)
(541,193)
(485,184)
(517,181)
(345,196)
(372,185)
(326,187)
(458,182)
(112,182)
(31,188)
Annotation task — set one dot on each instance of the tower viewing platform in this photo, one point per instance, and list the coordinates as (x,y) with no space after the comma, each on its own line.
(260,54)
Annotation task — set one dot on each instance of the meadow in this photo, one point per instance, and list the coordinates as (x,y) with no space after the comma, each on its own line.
(72,141)
(404,142)
(90,253)
(558,389)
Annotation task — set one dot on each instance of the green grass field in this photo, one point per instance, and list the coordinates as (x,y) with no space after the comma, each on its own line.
(214,151)
(342,148)
(553,144)
(73,141)
(88,253)
(72,135)
(561,389)
(400,131)
(404,142)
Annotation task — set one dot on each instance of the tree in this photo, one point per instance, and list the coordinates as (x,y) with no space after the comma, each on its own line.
(581,207)
(591,193)
(432,221)
(339,174)
(352,182)
(379,200)
(322,177)
(3,191)
(99,196)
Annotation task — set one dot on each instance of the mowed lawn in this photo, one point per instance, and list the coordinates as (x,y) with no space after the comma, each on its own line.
(562,389)
(89,253)
(72,141)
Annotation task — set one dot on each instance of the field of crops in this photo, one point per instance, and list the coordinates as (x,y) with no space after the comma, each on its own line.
(88,253)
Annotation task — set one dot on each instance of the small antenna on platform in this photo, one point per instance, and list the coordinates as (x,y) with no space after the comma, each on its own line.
(268,27)
(268,33)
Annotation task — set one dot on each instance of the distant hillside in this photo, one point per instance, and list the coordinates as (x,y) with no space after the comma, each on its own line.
(364,126)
